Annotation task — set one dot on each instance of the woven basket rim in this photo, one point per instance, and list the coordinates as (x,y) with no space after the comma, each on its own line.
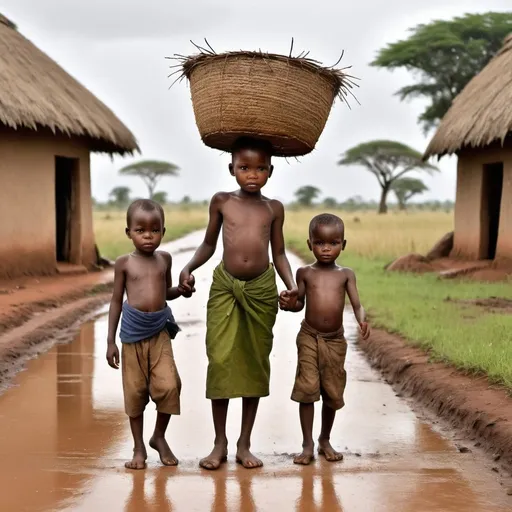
(340,80)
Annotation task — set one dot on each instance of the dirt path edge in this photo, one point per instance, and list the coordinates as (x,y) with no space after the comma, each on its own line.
(39,333)
(481,412)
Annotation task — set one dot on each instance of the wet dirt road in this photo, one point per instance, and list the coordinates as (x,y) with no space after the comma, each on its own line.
(64,437)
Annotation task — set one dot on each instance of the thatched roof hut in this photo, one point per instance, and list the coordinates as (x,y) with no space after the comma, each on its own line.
(482,113)
(478,128)
(36,92)
(49,124)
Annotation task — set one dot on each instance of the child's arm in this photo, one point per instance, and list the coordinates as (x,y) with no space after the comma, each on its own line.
(173,292)
(353,295)
(279,255)
(114,312)
(206,250)
(284,303)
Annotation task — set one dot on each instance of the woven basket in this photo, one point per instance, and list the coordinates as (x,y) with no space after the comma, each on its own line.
(281,99)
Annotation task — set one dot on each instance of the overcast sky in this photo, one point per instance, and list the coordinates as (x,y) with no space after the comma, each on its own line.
(117,49)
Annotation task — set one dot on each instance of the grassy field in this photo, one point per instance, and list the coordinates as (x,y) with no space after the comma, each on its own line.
(416,306)
(413,306)
(109,228)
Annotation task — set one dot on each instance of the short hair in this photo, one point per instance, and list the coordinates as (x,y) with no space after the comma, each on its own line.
(325,219)
(252,143)
(147,205)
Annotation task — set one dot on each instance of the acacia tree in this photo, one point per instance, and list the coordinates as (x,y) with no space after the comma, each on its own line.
(160,197)
(444,56)
(406,188)
(120,196)
(306,195)
(388,161)
(151,172)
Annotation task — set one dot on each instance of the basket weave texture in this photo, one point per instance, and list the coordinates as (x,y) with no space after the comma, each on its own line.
(284,100)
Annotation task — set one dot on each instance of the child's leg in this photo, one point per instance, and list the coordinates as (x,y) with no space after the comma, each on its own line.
(219,453)
(158,442)
(324,445)
(307,414)
(243,454)
(139,450)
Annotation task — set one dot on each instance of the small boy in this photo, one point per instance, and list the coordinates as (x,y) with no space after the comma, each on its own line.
(243,301)
(320,342)
(147,327)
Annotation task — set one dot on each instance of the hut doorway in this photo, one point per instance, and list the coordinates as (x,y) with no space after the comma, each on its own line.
(66,208)
(491,207)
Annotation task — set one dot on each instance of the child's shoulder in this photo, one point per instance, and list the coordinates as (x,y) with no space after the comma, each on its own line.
(220,197)
(121,261)
(164,255)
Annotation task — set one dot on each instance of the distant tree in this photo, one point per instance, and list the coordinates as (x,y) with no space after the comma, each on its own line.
(151,172)
(330,202)
(406,188)
(306,195)
(120,196)
(186,200)
(388,161)
(445,56)
(160,197)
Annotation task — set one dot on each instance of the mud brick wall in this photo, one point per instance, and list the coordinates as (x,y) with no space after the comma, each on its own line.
(470,209)
(27,205)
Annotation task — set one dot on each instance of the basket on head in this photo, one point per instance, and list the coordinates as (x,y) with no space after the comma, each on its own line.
(284,100)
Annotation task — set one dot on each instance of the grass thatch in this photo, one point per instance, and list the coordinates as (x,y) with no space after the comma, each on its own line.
(36,92)
(482,113)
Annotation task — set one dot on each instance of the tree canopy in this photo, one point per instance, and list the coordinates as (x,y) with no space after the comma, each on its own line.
(406,188)
(151,172)
(388,161)
(306,195)
(444,56)
(120,196)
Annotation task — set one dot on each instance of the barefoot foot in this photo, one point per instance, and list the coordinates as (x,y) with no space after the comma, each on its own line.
(247,459)
(166,456)
(330,454)
(218,455)
(139,459)
(306,457)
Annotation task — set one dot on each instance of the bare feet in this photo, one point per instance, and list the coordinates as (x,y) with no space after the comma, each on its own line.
(139,459)
(218,455)
(166,456)
(306,457)
(247,459)
(330,454)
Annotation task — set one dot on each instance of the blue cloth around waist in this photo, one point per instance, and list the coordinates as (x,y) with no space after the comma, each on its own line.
(140,325)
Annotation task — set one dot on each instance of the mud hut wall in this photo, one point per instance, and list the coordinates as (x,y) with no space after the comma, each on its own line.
(504,246)
(28,231)
(468,202)
(470,239)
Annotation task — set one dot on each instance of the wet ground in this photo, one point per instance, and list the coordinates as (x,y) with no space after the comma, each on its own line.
(64,437)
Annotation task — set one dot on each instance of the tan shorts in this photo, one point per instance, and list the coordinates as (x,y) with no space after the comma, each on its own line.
(320,367)
(149,370)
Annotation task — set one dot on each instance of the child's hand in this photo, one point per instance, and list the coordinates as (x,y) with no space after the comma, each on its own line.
(284,303)
(113,356)
(186,293)
(187,281)
(365,330)
(288,299)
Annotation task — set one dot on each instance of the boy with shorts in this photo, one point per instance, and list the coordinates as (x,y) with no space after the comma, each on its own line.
(321,344)
(147,327)
(243,301)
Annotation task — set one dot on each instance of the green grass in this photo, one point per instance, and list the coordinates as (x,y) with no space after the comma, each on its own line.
(415,307)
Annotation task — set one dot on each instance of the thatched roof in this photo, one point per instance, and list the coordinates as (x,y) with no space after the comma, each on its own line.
(35,92)
(482,113)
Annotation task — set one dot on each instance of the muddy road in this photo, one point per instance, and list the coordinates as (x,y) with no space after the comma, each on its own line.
(64,437)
